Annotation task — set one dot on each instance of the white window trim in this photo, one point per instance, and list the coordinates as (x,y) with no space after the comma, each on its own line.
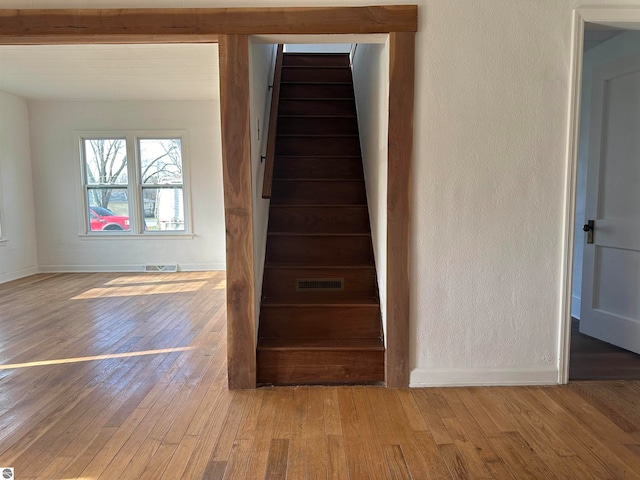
(134,187)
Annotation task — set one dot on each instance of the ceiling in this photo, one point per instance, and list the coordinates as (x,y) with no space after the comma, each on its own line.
(110,72)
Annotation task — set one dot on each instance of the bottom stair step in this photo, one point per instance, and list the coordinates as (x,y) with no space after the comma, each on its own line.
(320,361)
(320,321)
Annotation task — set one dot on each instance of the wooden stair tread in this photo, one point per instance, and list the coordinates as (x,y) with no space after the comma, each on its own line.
(335,302)
(321,344)
(318,100)
(318,135)
(322,99)
(298,82)
(318,115)
(334,180)
(336,67)
(295,156)
(321,234)
(318,267)
(317,206)
(311,205)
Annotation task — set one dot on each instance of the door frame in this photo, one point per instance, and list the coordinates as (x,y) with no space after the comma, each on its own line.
(626,17)
(230,28)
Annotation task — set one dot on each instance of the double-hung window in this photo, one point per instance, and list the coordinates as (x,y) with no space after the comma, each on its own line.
(134,184)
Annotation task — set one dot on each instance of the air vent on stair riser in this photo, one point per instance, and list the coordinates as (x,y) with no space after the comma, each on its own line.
(319,284)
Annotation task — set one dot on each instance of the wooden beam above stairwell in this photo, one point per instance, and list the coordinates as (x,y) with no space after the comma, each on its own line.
(163,25)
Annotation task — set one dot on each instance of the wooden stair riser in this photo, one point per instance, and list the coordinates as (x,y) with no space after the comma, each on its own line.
(318,146)
(317,126)
(292,367)
(316,74)
(316,107)
(318,219)
(316,90)
(317,321)
(318,193)
(315,60)
(310,167)
(307,250)
(281,282)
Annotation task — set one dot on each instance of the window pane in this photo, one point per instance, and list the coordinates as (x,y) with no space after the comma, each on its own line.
(108,209)
(160,161)
(106,161)
(163,208)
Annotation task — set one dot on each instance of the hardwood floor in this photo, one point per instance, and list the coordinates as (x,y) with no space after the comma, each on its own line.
(106,376)
(592,359)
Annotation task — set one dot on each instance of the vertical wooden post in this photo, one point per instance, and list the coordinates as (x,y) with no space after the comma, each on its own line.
(401,85)
(236,165)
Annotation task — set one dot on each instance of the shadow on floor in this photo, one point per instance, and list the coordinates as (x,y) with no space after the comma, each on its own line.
(592,359)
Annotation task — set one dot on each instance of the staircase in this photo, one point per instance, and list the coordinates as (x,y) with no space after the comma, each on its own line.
(320,313)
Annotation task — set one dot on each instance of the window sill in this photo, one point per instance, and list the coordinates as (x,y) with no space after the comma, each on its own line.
(3,241)
(137,236)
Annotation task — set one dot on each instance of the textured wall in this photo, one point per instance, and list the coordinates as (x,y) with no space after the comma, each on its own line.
(262,58)
(56,164)
(489,175)
(18,256)
(370,73)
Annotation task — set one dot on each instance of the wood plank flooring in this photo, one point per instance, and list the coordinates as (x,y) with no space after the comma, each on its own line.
(592,359)
(106,376)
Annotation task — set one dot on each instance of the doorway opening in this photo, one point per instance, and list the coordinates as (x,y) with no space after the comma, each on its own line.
(349,72)
(603,326)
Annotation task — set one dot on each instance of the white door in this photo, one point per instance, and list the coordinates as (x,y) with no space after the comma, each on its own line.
(610,308)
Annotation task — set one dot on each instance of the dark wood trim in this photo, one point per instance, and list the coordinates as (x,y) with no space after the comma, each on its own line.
(238,207)
(229,26)
(200,24)
(401,86)
(273,125)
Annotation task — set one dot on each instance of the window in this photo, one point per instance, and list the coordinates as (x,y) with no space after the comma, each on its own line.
(133,184)
(162,182)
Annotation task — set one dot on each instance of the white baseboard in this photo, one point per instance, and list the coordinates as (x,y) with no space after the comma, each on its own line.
(182,267)
(11,276)
(90,268)
(483,377)
(201,267)
(575,307)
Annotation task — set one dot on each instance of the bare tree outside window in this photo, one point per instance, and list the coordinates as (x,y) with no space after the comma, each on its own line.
(162,183)
(154,174)
(106,161)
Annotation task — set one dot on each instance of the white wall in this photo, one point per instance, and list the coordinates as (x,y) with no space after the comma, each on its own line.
(488,181)
(261,63)
(621,46)
(18,254)
(370,75)
(56,169)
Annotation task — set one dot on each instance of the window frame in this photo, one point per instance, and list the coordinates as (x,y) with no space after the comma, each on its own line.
(134,185)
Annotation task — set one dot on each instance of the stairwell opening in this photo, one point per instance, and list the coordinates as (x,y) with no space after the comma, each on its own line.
(306,247)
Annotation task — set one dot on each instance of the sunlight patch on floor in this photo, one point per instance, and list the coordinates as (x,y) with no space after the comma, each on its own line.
(159,278)
(110,356)
(134,291)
